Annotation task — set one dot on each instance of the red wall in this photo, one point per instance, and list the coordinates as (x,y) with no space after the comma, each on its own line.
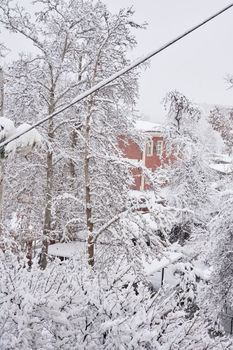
(155,161)
(132,151)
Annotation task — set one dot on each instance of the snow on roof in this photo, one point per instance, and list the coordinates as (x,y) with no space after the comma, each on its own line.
(223,163)
(144,125)
(220,158)
(67,250)
(7,128)
(25,142)
(222,168)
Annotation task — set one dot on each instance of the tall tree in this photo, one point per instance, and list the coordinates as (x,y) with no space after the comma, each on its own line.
(189,176)
(77,45)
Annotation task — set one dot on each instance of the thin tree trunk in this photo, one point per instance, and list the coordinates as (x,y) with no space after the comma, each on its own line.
(29,255)
(49,189)
(89,223)
(72,165)
(74,137)
(47,213)
(1,192)
(1,161)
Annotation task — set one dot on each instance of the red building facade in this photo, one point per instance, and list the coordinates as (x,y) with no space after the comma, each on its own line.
(151,156)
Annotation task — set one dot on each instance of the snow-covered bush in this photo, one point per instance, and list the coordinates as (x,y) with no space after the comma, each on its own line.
(69,306)
(188,178)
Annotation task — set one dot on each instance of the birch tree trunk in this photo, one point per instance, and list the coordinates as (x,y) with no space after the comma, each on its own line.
(49,189)
(89,223)
(73,136)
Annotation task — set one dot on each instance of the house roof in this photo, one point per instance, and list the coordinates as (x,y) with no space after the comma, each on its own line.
(222,168)
(223,163)
(146,126)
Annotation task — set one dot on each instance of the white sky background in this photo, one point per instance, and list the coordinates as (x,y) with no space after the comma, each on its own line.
(196,66)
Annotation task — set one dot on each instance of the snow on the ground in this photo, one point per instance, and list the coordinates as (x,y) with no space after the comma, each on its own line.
(170,264)
(169,278)
(202,271)
(153,270)
(157,265)
(67,250)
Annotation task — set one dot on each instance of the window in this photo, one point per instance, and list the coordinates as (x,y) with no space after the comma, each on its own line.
(149,147)
(159,148)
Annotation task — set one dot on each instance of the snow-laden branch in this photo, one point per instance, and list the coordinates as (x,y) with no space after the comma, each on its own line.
(22,144)
(112,77)
(158,265)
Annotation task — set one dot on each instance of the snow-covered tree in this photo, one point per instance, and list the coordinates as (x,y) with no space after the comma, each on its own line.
(77,188)
(78,44)
(43,82)
(189,176)
(203,221)
(220,254)
(221,121)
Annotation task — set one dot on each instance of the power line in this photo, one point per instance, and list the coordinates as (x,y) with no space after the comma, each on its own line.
(116,75)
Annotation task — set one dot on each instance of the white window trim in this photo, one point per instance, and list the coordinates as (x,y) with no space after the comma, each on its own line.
(160,148)
(149,140)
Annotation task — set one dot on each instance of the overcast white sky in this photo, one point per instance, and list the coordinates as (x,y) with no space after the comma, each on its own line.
(196,66)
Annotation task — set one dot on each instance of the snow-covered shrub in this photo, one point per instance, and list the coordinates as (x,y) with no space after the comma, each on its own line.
(70,306)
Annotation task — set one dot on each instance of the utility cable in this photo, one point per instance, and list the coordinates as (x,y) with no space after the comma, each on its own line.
(116,75)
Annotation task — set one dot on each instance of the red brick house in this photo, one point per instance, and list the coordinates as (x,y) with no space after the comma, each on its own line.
(152,156)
